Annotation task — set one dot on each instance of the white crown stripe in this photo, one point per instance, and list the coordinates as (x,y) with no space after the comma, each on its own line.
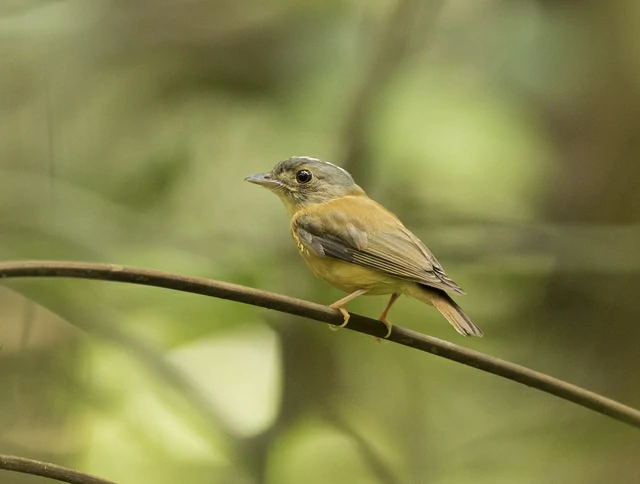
(317,160)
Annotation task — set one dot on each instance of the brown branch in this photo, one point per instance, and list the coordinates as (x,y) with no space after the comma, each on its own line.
(51,471)
(255,297)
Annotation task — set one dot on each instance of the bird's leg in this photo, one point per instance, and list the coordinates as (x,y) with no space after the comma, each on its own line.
(339,305)
(383,316)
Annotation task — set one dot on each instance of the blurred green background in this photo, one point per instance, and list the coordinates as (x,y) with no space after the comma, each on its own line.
(505,134)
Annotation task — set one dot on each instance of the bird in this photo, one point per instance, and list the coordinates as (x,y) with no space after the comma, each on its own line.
(355,244)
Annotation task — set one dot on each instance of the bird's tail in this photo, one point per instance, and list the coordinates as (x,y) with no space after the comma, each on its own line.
(448,307)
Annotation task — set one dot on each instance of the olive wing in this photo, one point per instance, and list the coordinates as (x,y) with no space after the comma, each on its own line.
(389,247)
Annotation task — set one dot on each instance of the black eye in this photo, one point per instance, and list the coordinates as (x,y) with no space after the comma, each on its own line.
(303,176)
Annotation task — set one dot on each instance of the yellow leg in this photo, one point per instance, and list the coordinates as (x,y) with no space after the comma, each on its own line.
(339,305)
(383,317)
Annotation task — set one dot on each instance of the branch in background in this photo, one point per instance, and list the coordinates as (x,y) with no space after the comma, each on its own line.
(393,46)
(51,471)
(572,248)
(103,324)
(368,453)
(505,243)
(361,324)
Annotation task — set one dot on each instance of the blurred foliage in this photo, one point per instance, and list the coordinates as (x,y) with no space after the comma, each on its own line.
(505,134)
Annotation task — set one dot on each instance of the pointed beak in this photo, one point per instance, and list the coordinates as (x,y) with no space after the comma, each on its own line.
(263,179)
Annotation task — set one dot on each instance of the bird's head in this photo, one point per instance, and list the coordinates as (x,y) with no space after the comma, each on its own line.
(301,181)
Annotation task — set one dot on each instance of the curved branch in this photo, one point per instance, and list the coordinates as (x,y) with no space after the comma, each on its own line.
(255,297)
(51,471)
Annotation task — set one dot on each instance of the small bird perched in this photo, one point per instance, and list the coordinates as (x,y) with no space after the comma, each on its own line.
(357,245)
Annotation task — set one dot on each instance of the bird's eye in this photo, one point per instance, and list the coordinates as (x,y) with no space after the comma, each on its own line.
(303,176)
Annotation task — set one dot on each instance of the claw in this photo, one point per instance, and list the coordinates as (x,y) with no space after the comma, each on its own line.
(383,317)
(339,305)
(345,315)
(389,327)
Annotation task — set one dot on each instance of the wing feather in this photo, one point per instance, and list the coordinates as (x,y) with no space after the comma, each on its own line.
(391,248)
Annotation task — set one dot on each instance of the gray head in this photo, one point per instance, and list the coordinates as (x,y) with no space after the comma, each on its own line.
(301,181)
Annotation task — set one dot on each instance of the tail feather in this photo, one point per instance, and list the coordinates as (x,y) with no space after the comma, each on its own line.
(448,308)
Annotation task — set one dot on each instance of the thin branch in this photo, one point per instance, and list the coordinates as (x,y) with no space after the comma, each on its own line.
(361,324)
(51,471)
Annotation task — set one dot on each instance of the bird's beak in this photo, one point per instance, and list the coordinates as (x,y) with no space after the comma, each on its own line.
(263,179)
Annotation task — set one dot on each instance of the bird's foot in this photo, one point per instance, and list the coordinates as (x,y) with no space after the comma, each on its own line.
(345,315)
(389,328)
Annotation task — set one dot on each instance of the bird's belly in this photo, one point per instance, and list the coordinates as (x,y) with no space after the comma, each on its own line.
(350,277)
